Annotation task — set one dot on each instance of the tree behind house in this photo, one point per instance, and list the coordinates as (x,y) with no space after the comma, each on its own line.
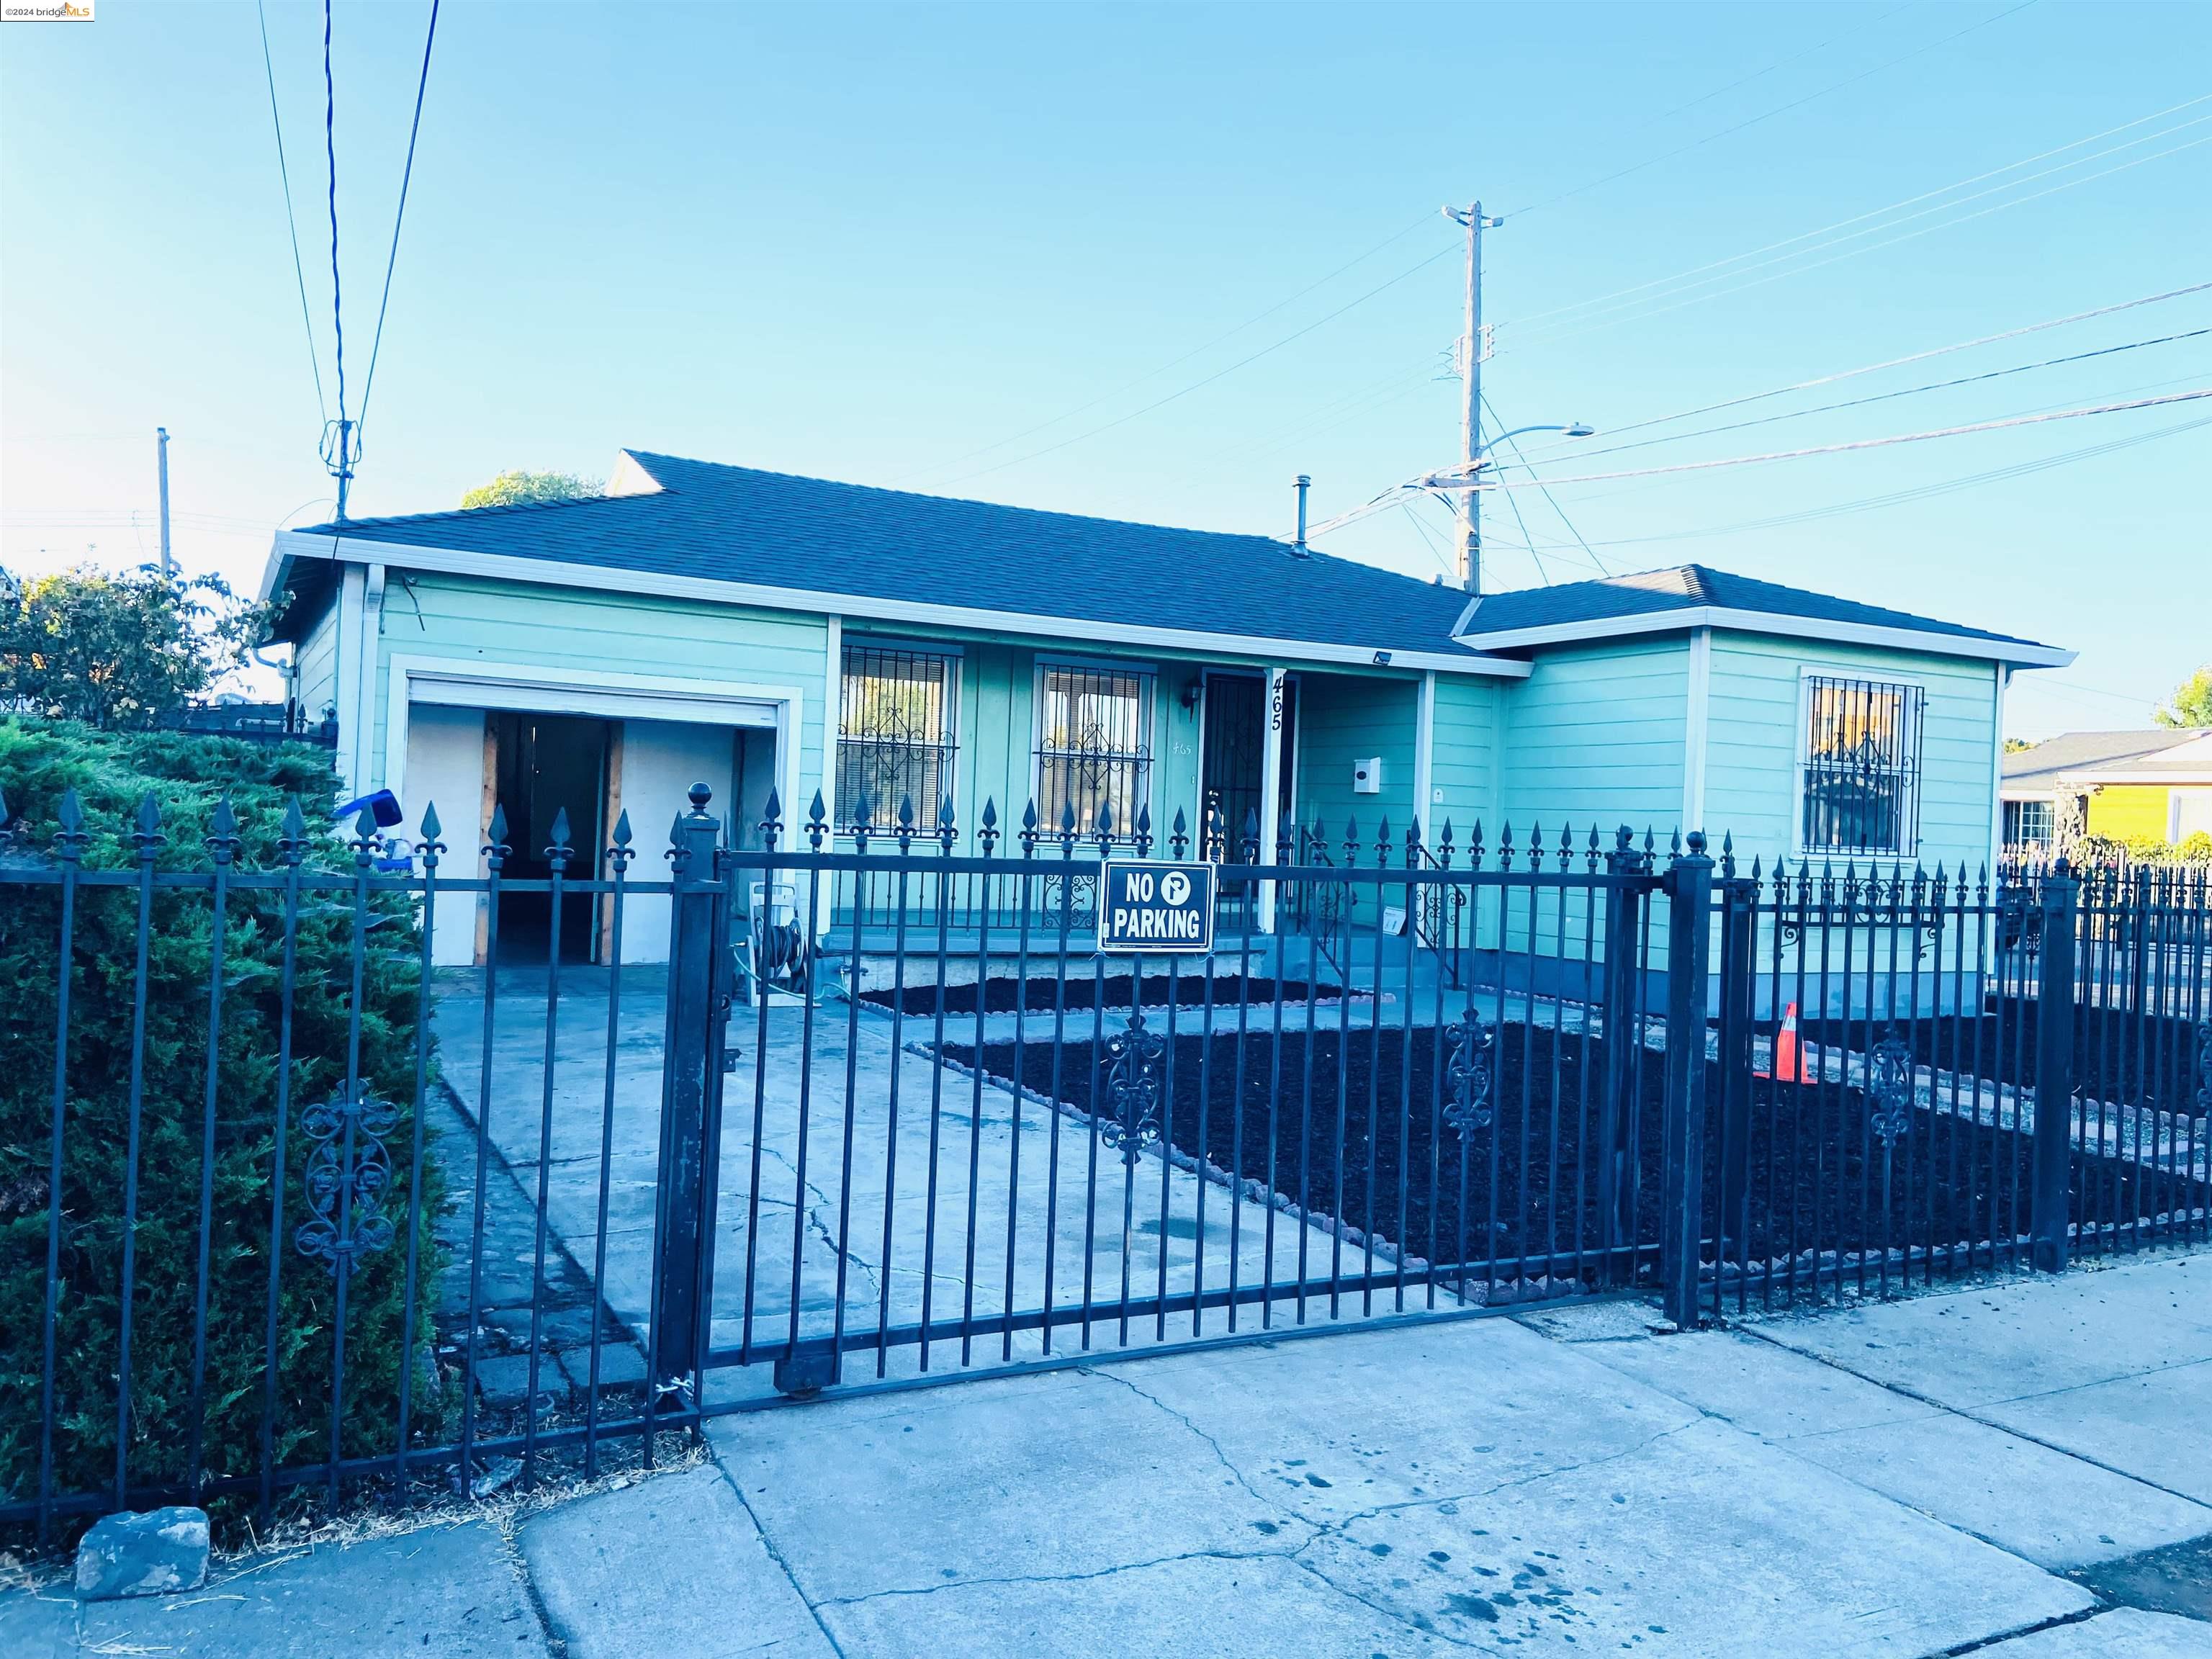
(519,488)
(117,650)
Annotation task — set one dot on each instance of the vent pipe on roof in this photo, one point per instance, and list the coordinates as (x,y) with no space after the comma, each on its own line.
(1299,547)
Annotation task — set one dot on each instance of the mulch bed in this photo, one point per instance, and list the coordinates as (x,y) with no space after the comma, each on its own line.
(1384,1159)
(2117,1056)
(1038,995)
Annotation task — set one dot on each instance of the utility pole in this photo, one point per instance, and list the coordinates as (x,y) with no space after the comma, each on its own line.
(161,451)
(1472,352)
(342,467)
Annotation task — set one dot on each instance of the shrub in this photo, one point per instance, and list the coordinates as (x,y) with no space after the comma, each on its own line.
(2195,848)
(186,776)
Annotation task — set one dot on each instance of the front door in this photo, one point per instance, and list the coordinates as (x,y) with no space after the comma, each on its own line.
(1235,757)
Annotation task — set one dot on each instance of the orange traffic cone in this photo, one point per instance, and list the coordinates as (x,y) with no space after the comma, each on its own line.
(1789,1058)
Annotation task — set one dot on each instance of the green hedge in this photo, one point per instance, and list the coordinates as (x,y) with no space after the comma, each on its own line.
(186,776)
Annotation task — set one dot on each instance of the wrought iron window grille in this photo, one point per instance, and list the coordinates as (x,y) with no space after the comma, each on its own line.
(1094,745)
(896,736)
(1859,784)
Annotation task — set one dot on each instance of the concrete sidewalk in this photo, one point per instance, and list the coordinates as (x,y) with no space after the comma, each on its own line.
(2022,1470)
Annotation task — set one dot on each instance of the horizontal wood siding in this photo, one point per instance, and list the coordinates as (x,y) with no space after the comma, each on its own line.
(1752,752)
(1595,736)
(558,628)
(1464,759)
(317,658)
(1344,719)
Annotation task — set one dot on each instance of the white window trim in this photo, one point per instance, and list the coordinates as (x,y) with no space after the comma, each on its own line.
(1807,673)
(924,813)
(1148,717)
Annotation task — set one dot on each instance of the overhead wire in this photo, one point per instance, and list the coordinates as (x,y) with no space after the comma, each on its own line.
(1913,235)
(1514,444)
(406,177)
(331,154)
(1219,373)
(1863,443)
(1915,493)
(291,222)
(1390,240)
(1780,109)
(1858,218)
(1818,380)
(1901,391)
(1436,480)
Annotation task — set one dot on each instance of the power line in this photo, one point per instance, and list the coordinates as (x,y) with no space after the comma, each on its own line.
(291,224)
(1912,357)
(1780,109)
(376,345)
(1926,230)
(1915,492)
(1903,392)
(1437,480)
(1861,443)
(1514,444)
(1597,300)
(1196,351)
(1184,391)
(331,154)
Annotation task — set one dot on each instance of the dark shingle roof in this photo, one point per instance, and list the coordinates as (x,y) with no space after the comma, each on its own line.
(1690,587)
(2084,751)
(734,523)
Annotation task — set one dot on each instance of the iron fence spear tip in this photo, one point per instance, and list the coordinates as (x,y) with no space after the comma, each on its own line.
(431,824)
(622,829)
(71,812)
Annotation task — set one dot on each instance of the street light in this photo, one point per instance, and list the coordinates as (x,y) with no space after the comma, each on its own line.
(1462,476)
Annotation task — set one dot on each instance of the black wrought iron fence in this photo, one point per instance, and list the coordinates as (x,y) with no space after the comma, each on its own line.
(331,1170)
(1929,1074)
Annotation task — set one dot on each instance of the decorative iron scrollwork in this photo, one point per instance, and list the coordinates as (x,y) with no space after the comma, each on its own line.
(1082,892)
(1889,1088)
(347,1176)
(1131,1121)
(1469,1073)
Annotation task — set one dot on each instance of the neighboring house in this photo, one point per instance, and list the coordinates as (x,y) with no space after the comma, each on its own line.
(752,629)
(2154,785)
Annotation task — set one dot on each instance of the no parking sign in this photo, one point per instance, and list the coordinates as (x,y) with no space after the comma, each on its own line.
(1163,909)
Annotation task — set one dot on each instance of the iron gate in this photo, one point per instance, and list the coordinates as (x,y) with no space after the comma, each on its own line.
(294,1208)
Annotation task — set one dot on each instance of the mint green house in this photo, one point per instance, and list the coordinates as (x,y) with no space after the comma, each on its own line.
(760,631)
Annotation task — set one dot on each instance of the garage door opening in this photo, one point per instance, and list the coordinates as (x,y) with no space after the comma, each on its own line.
(547,764)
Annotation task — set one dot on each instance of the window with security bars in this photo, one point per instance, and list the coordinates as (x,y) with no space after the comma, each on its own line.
(894,733)
(1860,787)
(1093,744)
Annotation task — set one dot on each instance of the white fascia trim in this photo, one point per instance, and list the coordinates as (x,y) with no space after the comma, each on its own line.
(1763,621)
(295,544)
(2130,780)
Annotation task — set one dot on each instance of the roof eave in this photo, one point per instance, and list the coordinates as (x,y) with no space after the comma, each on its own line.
(2018,654)
(293,544)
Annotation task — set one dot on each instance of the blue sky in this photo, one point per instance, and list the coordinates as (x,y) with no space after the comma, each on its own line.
(869,243)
